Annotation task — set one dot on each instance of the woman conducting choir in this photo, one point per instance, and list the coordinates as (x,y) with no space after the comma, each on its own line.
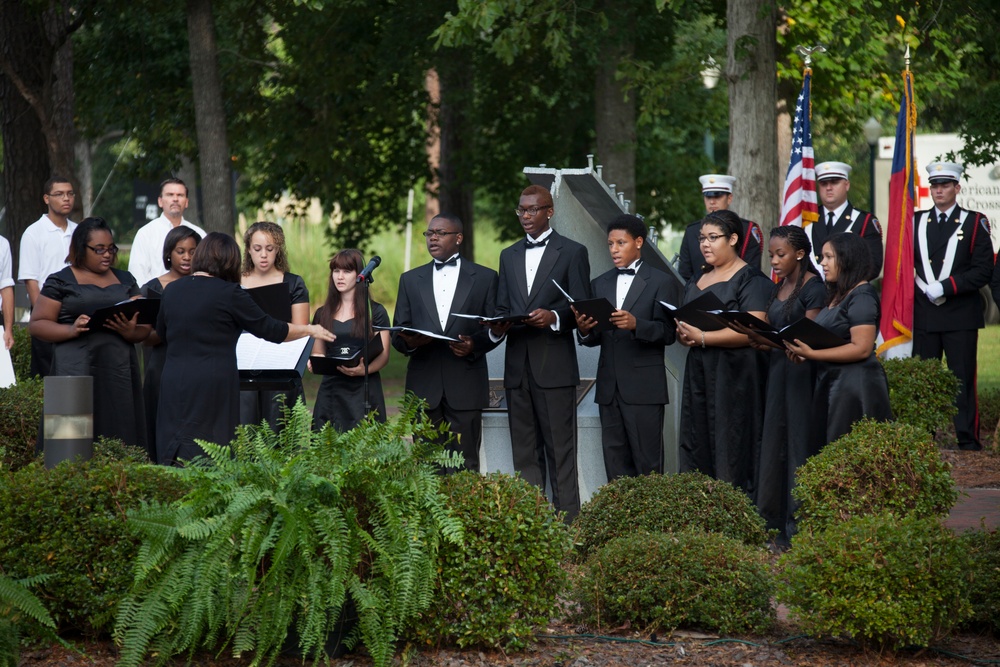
(723,397)
(799,293)
(265,262)
(178,253)
(850,382)
(341,399)
(62,314)
(201,318)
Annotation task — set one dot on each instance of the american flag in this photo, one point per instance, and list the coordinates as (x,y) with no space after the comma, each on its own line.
(799,198)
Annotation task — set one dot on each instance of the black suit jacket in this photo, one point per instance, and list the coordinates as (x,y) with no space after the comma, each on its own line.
(551,355)
(856,221)
(433,370)
(751,248)
(633,360)
(971,269)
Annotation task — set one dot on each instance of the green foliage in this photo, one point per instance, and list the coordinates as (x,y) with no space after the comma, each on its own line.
(984,592)
(877,467)
(113,449)
(279,529)
(501,585)
(18,607)
(70,523)
(20,414)
(921,392)
(20,354)
(989,411)
(884,580)
(666,504)
(664,581)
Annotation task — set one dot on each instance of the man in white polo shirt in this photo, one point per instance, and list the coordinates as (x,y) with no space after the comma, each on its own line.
(145,260)
(44,247)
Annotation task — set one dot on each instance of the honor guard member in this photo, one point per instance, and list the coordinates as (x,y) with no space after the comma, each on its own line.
(717,190)
(839,215)
(953,259)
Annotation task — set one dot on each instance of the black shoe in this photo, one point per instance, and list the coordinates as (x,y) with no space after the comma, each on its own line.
(970,446)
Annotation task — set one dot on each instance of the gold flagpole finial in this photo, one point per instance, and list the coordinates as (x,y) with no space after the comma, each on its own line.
(807,51)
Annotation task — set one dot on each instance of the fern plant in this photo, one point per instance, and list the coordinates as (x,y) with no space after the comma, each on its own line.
(279,529)
(17,604)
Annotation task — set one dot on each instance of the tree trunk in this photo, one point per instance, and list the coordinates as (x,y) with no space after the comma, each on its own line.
(455,189)
(210,121)
(615,116)
(751,75)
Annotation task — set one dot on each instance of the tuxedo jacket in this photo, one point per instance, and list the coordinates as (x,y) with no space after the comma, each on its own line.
(632,361)
(551,355)
(433,371)
(960,257)
(691,259)
(853,220)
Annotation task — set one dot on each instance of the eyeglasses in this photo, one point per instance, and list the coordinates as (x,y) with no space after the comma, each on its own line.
(438,232)
(532,211)
(711,238)
(62,195)
(104,250)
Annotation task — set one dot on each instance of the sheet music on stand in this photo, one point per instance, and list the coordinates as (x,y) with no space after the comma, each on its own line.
(267,365)
(7,378)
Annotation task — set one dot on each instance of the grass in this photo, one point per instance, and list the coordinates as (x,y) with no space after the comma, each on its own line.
(989,359)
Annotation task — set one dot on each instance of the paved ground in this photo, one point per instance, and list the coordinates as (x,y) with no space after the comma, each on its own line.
(973,507)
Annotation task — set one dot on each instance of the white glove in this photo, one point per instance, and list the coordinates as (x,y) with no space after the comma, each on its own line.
(934,291)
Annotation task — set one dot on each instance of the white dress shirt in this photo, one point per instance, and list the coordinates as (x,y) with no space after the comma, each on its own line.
(624,283)
(44,247)
(145,260)
(445,282)
(837,212)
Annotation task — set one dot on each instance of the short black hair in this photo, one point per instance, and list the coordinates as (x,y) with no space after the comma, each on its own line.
(453,219)
(173,181)
(81,238)
(631,225)
(56,178)
(175,236)
(728,222)
(218,255)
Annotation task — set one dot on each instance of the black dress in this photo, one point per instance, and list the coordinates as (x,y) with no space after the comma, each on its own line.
(341,400)
(200,320)
(722,404)
(153,357)
(845,393)
(785,443)
(266,404)
(102,354)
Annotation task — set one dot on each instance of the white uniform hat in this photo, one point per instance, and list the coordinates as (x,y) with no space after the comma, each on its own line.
(945,171)
(825,170)
(713,185)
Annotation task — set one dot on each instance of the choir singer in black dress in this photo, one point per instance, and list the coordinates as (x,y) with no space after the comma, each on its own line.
(201,318)
(61,316)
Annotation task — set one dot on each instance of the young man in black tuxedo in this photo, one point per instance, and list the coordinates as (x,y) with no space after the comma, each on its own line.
(541,372)
(953,259)
(451,377)
(631,380)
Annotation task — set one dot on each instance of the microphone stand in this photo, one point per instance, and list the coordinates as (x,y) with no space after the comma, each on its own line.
(366,281)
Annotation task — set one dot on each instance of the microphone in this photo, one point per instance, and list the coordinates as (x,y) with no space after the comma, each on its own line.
(366,273)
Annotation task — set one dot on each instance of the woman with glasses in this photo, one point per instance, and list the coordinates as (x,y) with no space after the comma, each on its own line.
(341,400)
(722,404)
(62,315)
(178,254)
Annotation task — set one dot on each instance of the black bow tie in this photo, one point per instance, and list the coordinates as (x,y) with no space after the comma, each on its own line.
(536,244)
(450,262)
(626,272)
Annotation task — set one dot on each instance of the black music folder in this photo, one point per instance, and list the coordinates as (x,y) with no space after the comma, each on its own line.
(809,332)
(499,319)
(599,309)
(275,300)
(696,312)
(266,365)
(147,309)
(347,352)
(739,317)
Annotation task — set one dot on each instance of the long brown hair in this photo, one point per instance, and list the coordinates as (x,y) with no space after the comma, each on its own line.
(349,259)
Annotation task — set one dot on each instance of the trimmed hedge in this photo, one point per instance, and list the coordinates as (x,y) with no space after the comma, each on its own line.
(984,593)
(664,581)
(877,467)
(20,414)
(921,392)
(499,587)
(886,581)
(666,504)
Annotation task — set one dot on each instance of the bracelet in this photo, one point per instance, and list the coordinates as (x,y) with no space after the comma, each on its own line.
(703,339)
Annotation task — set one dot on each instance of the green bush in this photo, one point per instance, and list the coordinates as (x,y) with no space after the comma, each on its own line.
(666,504)
(20,414)
(984,593)
(501,585)
(885,581)
(921,392)
(70,523)
(989,411)
(18,609)
(877,467)
(20,354)
(664,581)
